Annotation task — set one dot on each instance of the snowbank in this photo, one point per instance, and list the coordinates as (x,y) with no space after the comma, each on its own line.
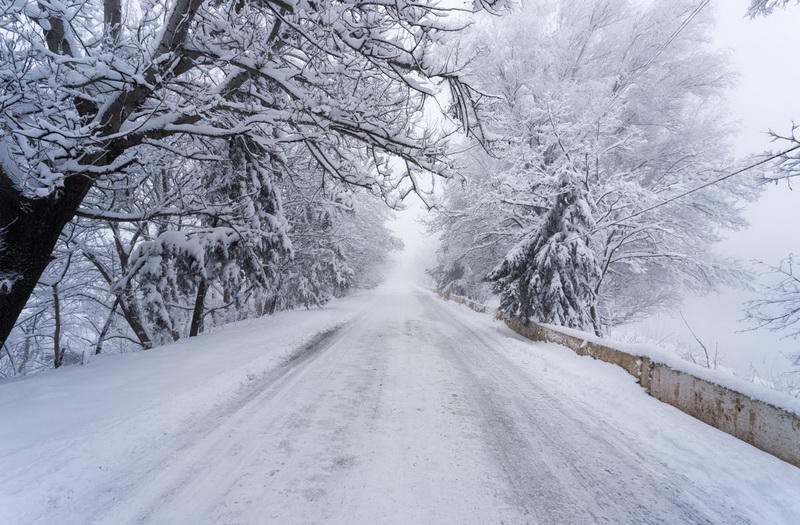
(722,378)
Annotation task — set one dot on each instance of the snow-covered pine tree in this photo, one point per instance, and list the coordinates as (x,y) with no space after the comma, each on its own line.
(252,191)
(226,258)
(551,274)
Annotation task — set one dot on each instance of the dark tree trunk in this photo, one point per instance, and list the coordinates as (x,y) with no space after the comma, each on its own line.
(58,351)
(199,307)
(598,328)
(130,312)
(29,230)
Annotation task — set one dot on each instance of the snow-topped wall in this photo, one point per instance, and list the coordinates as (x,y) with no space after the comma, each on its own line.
(766,419)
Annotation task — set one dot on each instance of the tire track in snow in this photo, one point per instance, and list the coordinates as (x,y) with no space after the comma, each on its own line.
(163,478)
(550,456)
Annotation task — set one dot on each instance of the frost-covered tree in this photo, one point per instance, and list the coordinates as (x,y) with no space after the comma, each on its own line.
(788,154)
(765,7)
(339,237)
(207,252)
(160,256)
(551,274)
(634,108)
(94,89)
(778,308)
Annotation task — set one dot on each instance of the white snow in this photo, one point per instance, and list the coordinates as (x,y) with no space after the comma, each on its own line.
(67,432)
(413,411)
(722,377)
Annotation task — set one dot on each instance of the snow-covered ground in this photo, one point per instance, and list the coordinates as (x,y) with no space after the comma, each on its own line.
(388,407)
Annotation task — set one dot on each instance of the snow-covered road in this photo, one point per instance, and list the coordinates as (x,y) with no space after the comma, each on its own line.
(401,409)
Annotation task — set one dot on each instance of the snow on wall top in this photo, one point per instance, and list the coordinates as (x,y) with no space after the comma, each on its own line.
(719,377)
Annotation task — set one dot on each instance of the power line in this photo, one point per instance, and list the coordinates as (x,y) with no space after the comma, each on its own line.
(674,35)
(638,70)
(703,186)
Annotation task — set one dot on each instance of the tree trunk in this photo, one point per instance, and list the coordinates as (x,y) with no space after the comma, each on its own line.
(270,305)
(598,328)
(29,229)
(199,307)
(98,348)
(126,299)
(58,352)
(127,303)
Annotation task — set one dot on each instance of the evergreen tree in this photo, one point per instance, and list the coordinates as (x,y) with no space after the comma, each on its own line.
(550,275)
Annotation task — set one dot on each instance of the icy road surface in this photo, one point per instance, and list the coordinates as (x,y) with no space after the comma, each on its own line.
(390,407)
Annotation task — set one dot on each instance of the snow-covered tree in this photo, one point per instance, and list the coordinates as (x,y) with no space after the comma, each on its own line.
(551,274)
(778,308)
(92,89)
(192,245)
(634,107)
(765,7)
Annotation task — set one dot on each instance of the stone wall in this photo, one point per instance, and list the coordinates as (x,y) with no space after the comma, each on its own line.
(478,307)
